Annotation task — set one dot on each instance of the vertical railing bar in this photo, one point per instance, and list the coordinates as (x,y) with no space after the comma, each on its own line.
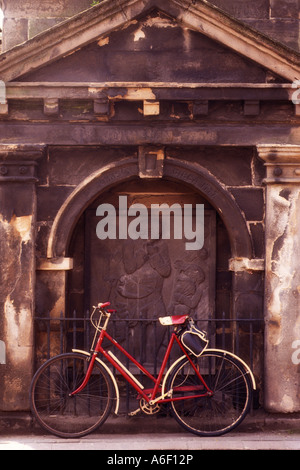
(74,329)
(61,332)
(141,338)
(155,348)
(88,329)
(251,341)
(48,328)
(114,335)
(223,330)
(127,365)
(168,338)
(251,353)
(210,326)
(86,324)
(237,336)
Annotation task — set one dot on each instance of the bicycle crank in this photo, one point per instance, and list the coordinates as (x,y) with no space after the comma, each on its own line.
(149,409)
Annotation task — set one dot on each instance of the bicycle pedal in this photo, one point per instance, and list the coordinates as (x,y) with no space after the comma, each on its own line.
(134,413)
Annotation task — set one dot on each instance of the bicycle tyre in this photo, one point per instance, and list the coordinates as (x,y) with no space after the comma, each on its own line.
(66,416)
(225,409)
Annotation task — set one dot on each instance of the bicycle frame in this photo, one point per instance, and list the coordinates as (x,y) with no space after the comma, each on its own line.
(149,395)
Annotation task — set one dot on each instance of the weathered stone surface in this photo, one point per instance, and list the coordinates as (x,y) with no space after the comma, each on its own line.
(250,201)
(282,277)
(139,52)
(17,275)
(45,9)
(283,30)
(39,16)
(19,26)
(38,25)
(242,9)
(258,236)
(33,17)
(92,25)
(231,165)
(17,286)
(284,9)
(282,297)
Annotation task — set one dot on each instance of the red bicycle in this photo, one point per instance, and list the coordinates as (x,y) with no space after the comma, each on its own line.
(209,390)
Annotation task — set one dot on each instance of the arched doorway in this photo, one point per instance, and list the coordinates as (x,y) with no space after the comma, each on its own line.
(73,235)
(147,278)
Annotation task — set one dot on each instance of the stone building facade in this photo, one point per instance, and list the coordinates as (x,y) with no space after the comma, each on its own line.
(161,101)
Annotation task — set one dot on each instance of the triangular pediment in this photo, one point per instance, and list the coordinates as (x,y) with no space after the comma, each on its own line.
(155,48)
(150,40)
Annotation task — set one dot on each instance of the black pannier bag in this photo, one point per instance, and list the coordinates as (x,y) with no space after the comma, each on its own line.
(194,340)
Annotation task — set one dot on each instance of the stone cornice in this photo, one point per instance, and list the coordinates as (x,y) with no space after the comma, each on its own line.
(60,264)
(282,163)
(21,152)
(273,153)
(246,264)
(92,24)
(133,91)
(18,162)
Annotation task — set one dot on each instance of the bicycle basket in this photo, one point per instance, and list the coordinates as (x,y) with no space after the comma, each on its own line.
(194,340)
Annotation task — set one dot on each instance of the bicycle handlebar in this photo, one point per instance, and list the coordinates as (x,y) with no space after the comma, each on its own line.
(103,305)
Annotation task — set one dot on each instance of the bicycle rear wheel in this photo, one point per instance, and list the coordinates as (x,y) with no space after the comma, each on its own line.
(225,408)
(66,416)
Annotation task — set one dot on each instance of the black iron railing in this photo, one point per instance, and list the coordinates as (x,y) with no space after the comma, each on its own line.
(143,339)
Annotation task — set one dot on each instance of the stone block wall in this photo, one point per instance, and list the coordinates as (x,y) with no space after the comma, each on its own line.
(23,20)
(278,19)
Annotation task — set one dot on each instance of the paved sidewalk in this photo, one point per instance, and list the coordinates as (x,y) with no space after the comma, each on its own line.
(136,443)
(258,432)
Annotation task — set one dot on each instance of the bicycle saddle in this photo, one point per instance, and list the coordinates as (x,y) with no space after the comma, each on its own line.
(173,320)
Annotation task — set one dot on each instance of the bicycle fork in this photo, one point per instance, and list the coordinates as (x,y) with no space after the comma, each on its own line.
(87,375)
(92,358)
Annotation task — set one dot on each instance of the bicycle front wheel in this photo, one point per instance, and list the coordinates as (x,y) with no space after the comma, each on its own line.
(66,416)
(229,402)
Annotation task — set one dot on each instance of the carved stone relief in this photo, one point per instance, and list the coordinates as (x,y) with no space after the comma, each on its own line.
(146,279)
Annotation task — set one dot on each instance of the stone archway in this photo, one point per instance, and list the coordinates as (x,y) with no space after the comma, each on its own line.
(148,277)
(192,175)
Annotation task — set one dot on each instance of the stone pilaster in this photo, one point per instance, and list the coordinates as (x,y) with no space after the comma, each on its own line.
(17,270)
(282,276)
